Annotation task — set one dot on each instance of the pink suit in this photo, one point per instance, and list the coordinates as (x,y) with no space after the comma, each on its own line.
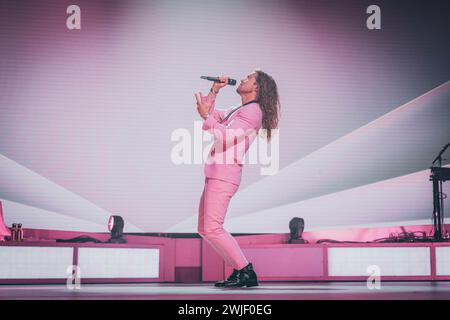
(223,170)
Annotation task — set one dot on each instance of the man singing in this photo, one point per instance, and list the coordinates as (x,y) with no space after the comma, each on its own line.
(234,130)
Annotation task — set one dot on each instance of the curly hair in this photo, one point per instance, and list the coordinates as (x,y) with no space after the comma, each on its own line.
(269,101)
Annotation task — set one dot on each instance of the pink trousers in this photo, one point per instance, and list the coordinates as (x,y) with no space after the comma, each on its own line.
(211,214)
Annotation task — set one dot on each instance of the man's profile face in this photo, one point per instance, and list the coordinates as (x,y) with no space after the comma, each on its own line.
(248,84)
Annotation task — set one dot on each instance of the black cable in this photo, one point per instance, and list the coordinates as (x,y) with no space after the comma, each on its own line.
(416,236)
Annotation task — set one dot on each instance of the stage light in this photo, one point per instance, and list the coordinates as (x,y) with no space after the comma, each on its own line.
(115,227)
(296,226)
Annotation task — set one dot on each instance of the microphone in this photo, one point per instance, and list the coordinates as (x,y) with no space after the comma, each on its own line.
(231,82)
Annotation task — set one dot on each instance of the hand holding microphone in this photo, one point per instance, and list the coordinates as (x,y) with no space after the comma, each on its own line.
(204,104)
(219,82)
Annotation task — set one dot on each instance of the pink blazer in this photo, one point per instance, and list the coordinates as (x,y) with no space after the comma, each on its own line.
(232,138)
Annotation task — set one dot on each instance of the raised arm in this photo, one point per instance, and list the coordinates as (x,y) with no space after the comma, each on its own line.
(205,105)
(218,114)
(246,123)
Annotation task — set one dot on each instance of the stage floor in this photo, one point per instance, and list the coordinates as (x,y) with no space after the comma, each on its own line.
(206,291)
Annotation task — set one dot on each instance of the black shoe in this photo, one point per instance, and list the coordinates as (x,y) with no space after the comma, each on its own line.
(245,277)
(230,278)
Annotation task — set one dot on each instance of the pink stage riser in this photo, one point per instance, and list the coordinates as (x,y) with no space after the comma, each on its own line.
(313,262)
(191,260)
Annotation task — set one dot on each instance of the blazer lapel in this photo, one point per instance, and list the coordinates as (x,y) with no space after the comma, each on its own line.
(231,113)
